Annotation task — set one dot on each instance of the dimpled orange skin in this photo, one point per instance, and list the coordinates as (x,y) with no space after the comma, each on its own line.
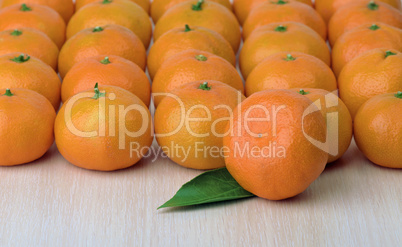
(194,65)
(212,15)
(378,130)
(327,8)
(337,118)
(112,40)
(196,102)
(368,75)
(354,15)
(118,12)
(285,70)
(32,74)
(361,39)
(64,7)
(243,7)
(270,12)
(29,41)
(24,137)
(38,17)
(117,71)
(178,40)
(295,162)
(159,7)
(102,152)
(145,4)
(265,41)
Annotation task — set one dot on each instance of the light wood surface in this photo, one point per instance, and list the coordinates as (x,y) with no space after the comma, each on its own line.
(53,203)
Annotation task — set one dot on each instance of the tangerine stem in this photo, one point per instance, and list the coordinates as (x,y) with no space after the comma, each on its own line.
(281,2)
(198,6)
(398,95)
(389,53)
(201,58)
(8,93)
(372,5)
(302,92)
(204,86)
(106,1)
(16,32)
(24,7)
(97,29)
(21,59)
(289,57)
(374,27)
(281,28)
(105,61)
(98,94)
(187,28)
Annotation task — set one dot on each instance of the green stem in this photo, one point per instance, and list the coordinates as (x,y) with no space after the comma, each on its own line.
(389,53)
(204,86)
(281,28)
(399,95)
(289,57)
(106,1)
(187,28)
(201,58)
(98,94)
(16,32)
(372,5)
(21,59)
(24,7)
(374,27)
(8,93)
(281,2)
(198,6)
(105,61)
(302,92)
(97,29)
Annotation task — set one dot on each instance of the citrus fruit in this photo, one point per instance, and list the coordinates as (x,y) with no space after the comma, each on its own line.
(276,37)
(29,41)
(364,38)
(118,12)
(374,72)
(337,117)
(378,129)
(286,70)
(106,40)
(184,38)
(208,14)
(357,14)
(159,7)
(327,8)
(243,7)
(268,151)
(64,7)
(205,108)
(145,4)
(35,16)
(104,129)
(22,71)
(193,65)
(110,70)
(280,11)
(26,120)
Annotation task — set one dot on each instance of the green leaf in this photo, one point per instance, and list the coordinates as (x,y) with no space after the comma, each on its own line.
(211,186)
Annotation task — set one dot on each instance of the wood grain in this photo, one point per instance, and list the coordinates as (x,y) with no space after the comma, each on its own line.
(53,203)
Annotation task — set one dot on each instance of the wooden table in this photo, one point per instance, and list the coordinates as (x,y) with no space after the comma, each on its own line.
(53,203)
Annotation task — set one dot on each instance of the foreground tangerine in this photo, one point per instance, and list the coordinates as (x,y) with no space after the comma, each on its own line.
(92,136)
(110,70)
(29,41)
(374,72)
(34,16)
(276,159)
(205,108)
(286,70)
(193,65)
(22,71)
(378,129)
(26,120)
